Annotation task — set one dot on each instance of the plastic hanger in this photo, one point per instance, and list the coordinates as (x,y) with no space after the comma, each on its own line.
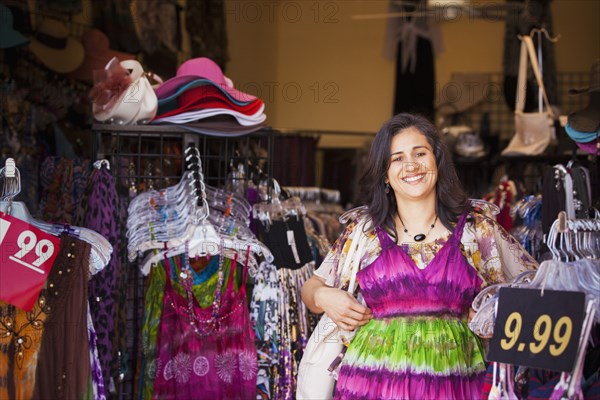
(195,233)
(202,240)
(101,249)
(167,212)
(151,227)
(169,209)
(278,209)
(575,382)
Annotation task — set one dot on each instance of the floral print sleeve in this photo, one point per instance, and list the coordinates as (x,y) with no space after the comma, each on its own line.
(496,254)
(330,269)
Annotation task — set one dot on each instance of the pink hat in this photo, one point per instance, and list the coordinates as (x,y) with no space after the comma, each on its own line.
(204,68)
(208,97)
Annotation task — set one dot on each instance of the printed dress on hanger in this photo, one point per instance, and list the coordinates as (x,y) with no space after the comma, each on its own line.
(206,353)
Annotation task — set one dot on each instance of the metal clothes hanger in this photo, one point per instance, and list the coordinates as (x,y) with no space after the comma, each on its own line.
(546,34)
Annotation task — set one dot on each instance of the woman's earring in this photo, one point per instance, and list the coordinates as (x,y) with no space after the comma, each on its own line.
(387,188)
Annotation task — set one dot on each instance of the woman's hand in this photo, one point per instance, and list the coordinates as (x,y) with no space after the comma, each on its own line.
(342,307)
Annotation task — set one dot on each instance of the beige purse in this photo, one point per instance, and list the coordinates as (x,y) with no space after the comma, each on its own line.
(533,131)
(320,362)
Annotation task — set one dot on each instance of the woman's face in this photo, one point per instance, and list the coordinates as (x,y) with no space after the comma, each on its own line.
(412,173)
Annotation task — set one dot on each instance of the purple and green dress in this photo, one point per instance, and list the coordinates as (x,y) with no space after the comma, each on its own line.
(418,344)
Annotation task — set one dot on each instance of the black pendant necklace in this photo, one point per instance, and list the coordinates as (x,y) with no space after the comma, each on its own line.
(419,237)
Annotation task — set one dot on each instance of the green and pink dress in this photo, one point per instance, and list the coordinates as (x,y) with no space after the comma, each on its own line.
(418,345)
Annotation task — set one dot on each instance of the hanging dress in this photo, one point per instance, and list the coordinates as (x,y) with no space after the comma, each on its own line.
(418,345)
(206,353)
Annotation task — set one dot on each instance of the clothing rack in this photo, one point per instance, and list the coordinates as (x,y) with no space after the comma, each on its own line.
(152,156)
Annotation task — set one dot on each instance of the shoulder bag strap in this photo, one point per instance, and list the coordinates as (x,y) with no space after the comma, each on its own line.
(536,71)
(358,244)
(522,79)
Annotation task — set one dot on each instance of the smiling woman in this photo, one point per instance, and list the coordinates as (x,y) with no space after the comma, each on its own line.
(412,338)
(409,153)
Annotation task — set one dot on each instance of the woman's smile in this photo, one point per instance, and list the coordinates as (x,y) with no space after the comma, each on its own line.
(412,169)
(414,179)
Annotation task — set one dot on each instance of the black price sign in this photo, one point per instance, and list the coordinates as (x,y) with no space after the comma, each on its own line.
(537,331)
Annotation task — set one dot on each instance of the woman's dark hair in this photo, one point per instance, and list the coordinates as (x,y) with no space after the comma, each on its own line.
(450,196)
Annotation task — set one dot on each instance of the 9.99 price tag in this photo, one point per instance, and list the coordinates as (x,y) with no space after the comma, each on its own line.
(537,331)
(26,256)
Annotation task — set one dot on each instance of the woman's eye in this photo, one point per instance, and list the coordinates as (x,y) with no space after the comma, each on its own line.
(397,158)
(421,154)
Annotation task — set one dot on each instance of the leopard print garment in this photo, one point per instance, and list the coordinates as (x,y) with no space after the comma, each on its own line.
(101,216)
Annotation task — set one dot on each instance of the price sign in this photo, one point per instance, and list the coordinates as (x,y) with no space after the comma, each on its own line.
(26,256)
(537,331)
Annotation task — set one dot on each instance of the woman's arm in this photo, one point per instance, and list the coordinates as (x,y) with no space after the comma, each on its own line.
(339,305)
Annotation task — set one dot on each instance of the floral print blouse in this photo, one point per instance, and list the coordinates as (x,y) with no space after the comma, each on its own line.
(487,246)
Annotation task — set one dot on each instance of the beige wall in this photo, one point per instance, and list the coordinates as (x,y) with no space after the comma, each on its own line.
(317,68)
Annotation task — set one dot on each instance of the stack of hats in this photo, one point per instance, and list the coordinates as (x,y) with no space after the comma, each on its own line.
(584,126)
(199,91)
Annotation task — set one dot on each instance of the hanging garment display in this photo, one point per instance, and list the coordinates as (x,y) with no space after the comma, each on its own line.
(413,42)
(63,367)
(264,316)
(51,349)
(101,216)
(179,220)
(48,347)
(206,352)
(281,227)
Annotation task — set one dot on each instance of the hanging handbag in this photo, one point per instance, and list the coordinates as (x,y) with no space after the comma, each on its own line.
(322,356)
(533,131)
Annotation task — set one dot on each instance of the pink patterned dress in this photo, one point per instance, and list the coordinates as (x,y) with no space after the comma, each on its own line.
(418,344)
(206,353)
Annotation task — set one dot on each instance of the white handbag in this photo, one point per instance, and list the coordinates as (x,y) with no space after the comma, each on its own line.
(137,103)
(316,380)
(533,131)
